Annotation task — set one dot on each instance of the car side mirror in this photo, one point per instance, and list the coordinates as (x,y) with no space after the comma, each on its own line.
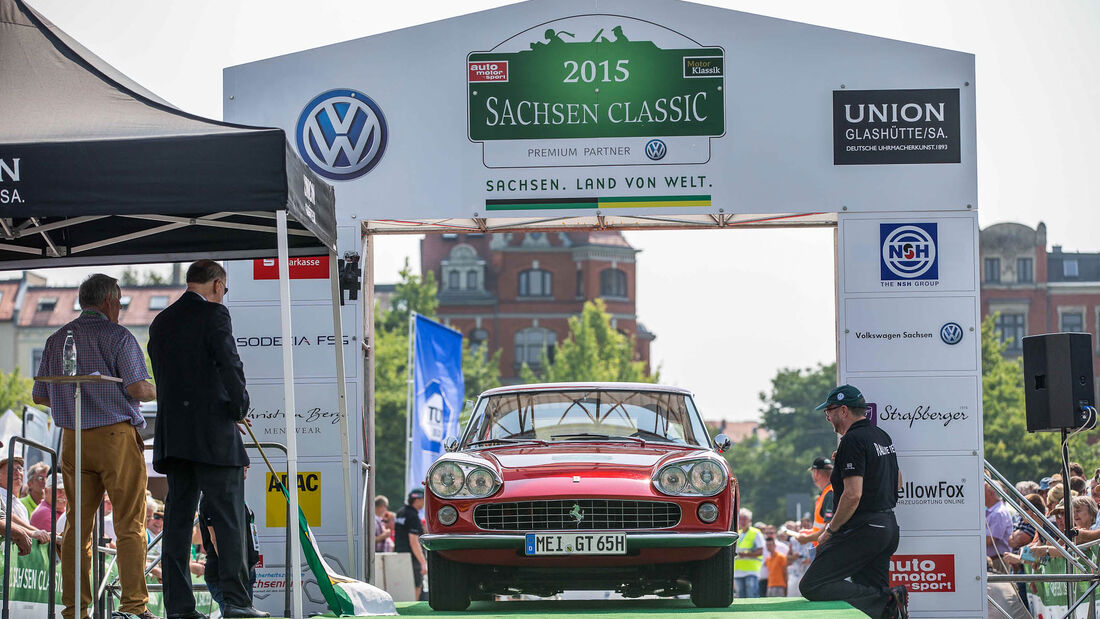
(721,443)
(450,444)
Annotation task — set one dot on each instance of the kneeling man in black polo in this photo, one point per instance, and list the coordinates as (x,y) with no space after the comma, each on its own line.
(863,534)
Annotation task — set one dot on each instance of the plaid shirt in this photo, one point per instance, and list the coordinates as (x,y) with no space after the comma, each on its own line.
(101,346)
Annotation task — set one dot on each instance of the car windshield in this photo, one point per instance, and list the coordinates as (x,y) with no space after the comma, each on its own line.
(582,415)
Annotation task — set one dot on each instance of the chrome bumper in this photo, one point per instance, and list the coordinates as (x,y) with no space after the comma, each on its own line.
(634,541)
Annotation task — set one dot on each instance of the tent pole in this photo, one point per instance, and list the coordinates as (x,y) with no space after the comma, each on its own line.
(290,410)
(342,404)
(368,398)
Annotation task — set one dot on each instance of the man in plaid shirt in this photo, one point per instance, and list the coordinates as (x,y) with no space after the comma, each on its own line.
(113,452)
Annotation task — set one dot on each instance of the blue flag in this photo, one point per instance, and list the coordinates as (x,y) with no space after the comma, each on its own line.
(438,392)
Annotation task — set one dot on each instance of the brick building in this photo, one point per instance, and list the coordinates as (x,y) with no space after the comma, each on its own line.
(517,291)
(1036,291)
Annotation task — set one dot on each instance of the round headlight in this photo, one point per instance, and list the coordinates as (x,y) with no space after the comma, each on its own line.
(448,515)
(671,480)
(707,477)
(480,482)
(707,512)
(446,479)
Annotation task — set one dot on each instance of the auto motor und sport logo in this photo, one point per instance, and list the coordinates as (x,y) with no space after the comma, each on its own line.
(951,333)
(341,134)
(909,255)
(923,573)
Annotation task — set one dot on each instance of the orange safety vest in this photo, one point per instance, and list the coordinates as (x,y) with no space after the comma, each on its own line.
(819,520)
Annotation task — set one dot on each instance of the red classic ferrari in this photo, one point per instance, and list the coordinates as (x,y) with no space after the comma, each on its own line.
(581,486)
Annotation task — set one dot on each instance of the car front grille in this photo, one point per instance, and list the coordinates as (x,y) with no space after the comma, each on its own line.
(594,514)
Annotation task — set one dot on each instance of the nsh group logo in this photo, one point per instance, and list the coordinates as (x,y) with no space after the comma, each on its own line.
(341,134)
(909,255)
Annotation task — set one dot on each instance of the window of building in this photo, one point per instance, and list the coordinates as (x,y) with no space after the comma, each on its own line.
(532,342)
(1073,322)
(993,270)
(1025,270)
(46,304)
(36,360)
(1069,268)
(612,283)
(471,280)
(158,301)
(463,269)
(580,283)
(453,280)
(534,283)
(1012,330)
(125,301)
(76,304)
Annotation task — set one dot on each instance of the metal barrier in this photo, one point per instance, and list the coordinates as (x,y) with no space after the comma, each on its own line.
(52,584)
(1074,555)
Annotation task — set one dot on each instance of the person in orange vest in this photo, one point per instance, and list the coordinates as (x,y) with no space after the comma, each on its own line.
(820,471)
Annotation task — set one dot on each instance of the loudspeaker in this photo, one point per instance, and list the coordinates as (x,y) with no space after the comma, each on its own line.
(1058,382)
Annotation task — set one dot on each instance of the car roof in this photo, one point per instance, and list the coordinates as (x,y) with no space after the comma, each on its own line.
(592,386)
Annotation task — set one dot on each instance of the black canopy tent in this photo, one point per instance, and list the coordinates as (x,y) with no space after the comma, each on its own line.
(95,169)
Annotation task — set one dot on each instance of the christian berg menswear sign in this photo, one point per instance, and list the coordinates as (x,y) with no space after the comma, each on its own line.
(657,113)
(626,108)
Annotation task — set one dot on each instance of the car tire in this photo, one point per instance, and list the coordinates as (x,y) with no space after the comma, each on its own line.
(712,580)
(448,587)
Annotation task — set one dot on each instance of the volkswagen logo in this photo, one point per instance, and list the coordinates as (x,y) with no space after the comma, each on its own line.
(341,134)
(951,333)
(655,149)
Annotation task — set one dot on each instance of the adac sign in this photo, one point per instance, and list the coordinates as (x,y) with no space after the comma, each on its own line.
(309,498)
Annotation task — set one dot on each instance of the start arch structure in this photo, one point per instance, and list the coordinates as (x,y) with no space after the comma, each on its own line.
(614,114)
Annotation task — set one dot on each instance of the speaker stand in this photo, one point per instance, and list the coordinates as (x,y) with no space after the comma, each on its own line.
(1067,501)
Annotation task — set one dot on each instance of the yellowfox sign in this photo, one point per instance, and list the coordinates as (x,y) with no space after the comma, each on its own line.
(309,498)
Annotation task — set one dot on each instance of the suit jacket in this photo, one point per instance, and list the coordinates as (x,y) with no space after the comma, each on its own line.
(200,385)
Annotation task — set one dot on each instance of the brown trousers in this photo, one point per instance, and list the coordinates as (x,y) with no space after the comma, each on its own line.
(114,461)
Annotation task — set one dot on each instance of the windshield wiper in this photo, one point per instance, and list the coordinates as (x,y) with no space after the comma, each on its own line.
(508,440)
(597,437)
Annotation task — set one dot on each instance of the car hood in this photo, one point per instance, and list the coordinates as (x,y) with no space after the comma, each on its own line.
(592,458)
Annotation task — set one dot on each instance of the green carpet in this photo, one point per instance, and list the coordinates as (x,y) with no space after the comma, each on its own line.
(763,608)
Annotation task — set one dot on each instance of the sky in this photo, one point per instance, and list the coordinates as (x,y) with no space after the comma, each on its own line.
(729,308)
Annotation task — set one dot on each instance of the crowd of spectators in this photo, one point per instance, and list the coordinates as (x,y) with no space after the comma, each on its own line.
(1013,545)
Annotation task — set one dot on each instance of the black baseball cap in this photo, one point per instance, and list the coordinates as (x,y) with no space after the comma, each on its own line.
(416,493)
(821,464)
(844,395)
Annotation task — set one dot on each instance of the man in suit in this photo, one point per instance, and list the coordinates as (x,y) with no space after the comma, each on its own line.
(201,398)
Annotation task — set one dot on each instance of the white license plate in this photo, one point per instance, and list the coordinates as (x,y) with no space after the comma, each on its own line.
(545,544)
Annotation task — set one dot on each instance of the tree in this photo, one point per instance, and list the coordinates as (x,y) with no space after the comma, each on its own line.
(391,344)
(15,391)
(768,469)
(1015,452)
(132,277)
(594,351)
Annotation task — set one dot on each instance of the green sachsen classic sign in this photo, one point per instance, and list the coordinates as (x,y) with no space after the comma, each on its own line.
(597,84)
